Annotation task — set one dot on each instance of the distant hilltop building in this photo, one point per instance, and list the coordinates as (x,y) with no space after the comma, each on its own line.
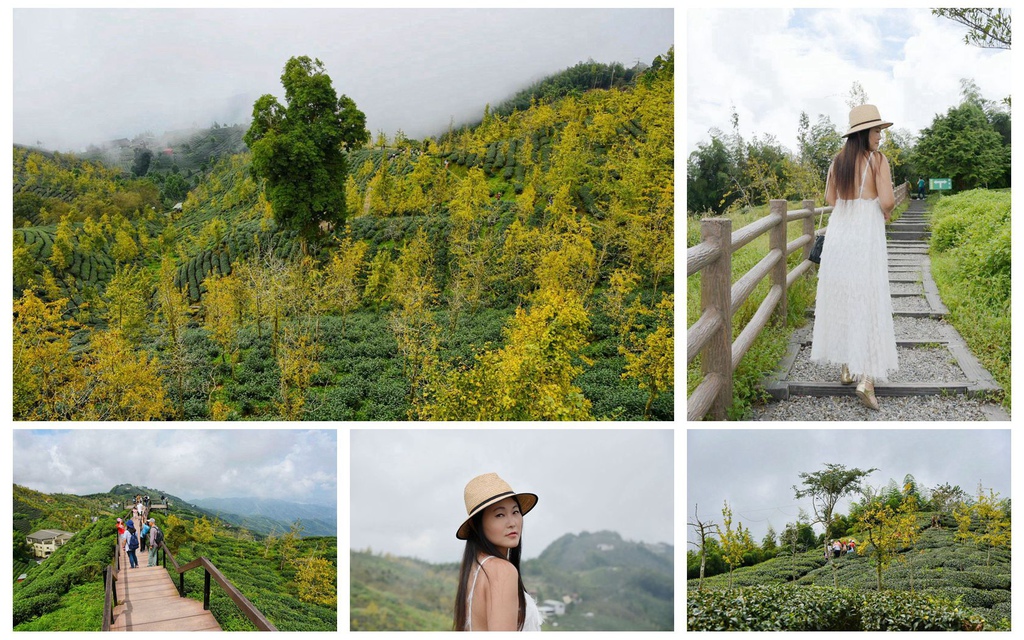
(45,541)
(605,547)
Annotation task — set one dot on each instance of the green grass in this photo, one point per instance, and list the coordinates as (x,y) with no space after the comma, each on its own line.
(970,253)
(769,347)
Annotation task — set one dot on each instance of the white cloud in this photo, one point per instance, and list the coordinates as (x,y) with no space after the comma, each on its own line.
(772,64)
(295,465)
(407,486)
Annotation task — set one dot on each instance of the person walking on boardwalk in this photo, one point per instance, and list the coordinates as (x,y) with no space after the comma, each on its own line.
(853,324)
(920,189)
(156,536)
(144,535)
(133,545)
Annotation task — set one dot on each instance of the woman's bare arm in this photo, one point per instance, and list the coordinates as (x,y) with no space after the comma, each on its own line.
(883,186)
(502,596)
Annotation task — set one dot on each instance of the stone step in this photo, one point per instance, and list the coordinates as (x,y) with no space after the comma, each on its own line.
(908,235)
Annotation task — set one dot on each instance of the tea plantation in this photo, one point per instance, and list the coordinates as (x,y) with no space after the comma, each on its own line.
(939,584)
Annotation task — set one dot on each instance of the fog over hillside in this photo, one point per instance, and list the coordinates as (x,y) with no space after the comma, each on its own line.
(91,76)
(283,464)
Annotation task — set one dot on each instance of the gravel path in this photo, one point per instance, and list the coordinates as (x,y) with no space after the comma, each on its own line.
(919,328)
(911,408)
(927,366)
(917,364)
(906,287)
(910,305)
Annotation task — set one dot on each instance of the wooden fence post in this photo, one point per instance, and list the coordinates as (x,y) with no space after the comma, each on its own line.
(716,295)
(777,240)
(810,223)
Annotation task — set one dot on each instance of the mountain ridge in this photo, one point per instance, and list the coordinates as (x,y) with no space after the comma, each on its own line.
(606,583)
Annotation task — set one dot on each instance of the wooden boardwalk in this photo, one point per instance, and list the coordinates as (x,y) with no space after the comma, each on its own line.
(149,601)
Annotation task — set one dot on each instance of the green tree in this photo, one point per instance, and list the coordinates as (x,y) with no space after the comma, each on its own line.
(25,265)
(126,383)
(47,382)
(413,292)
(735,543)
(704,533)
(223,303)
(316,581)
(127,299)
(985,522)
(889,529)
(171,300)
(826,488)
(299,148)
(140,163)
(63,244)
(297,356)
(987,28)
(530,378)
(342,279)
(709,172)
(962,145)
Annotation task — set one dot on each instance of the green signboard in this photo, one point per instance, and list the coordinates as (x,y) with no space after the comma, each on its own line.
(940,184)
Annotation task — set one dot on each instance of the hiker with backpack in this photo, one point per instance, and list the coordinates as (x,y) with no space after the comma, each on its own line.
(156,538)
(133,544)
(144,535)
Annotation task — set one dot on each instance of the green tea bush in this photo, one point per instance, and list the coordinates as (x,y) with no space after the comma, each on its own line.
(788,608)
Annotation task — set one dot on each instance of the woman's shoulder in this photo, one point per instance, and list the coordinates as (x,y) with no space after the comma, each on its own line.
(500,569)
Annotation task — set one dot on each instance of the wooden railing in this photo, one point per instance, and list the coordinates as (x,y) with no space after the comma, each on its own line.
(110,585)
(711,335)
(246,607)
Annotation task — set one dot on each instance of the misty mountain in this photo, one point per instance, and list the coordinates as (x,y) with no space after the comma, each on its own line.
(604,582)
(266,515)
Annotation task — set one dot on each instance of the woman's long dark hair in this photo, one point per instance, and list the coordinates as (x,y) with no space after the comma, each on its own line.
(476,542)
(844,170)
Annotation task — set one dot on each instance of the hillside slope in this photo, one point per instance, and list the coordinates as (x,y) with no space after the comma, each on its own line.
(291,580)
(607,583)
(565,201)
(936,565)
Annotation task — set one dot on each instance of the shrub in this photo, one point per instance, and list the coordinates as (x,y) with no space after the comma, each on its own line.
(788,608)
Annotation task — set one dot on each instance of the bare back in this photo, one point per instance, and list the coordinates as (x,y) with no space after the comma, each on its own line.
(877,182)
(493,597)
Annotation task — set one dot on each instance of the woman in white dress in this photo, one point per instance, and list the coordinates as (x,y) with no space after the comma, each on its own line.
(491,595)
(853,310)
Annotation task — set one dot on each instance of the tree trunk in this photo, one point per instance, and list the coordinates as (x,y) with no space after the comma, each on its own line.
(700,582)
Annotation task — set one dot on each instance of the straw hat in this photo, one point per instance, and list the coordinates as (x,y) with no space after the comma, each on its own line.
(865,117)
(483,491)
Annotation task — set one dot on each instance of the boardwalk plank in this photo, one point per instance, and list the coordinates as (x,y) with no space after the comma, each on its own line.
(149,601)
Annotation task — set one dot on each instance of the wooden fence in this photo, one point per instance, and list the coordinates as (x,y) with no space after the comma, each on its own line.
(211,571)
(720,298)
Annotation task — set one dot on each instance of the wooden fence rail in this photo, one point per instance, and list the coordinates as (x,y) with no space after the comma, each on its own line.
(711,334)
(210,570)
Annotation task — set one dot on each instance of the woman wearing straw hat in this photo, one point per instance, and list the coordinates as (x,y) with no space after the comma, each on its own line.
(492,597)
(853,311)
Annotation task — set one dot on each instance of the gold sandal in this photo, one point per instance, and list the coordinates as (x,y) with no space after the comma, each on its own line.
(846,377)
(866,392)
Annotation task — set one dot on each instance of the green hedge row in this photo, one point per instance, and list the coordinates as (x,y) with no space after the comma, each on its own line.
(789,608)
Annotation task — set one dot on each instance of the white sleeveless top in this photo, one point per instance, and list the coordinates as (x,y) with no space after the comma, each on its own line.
(531,621)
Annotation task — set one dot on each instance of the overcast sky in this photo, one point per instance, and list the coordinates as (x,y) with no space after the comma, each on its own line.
(408,486)
(295,465)
(755,470)
(771,64)
(93,75)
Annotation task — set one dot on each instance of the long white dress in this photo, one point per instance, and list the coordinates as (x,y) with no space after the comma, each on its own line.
(853,311)
(532,618)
